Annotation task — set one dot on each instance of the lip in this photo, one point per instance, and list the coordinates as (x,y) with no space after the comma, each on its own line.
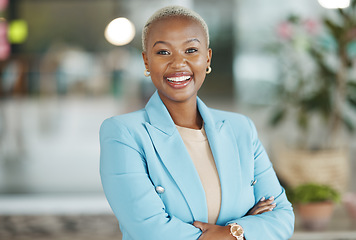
(180,82)
(177,74)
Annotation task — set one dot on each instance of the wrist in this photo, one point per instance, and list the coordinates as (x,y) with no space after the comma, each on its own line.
(228,233)
(236,231)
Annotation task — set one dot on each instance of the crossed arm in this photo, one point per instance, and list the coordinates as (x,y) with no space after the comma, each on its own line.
(213,232)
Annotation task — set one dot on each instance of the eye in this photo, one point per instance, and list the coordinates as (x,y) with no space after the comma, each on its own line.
(163,52)
(191,50)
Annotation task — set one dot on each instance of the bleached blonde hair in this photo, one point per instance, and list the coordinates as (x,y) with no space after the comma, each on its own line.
(172,11)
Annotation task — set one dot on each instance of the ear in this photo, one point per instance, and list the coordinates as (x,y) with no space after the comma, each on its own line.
(145,60)
(210,54)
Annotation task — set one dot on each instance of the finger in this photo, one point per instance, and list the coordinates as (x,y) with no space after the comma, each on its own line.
(252,212)
(261,204)
(271,206)
(264,199)
(271,198)
(254,209)
(265,208)
(199,225)
(264,203)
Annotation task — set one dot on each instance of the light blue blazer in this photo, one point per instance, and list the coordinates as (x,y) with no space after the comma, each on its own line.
(143,150)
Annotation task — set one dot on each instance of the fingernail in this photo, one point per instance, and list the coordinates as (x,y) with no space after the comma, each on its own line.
(274,204)
(271,208)
(271,198)
(262,199)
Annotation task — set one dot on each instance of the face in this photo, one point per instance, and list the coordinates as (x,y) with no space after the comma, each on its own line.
(177,57)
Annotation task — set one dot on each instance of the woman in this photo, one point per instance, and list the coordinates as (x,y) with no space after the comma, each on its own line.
(179,170)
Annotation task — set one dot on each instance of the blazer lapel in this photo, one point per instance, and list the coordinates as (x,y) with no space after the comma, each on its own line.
(226,155)
(175,157)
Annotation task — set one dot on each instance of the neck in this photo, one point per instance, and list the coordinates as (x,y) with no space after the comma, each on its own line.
(185,114)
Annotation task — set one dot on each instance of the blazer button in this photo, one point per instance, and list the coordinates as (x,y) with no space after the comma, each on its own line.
(160,189)
(253,182)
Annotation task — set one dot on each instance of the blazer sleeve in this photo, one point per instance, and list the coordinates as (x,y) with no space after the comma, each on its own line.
(278,223)
(129,191)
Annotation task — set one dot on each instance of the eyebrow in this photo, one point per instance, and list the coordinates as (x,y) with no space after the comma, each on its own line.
(193,40)
(188,41)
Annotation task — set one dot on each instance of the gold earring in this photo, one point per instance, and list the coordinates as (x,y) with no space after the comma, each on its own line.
(208,70)
(147,73)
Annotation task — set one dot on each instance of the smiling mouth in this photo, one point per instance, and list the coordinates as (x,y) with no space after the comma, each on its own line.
(179,80)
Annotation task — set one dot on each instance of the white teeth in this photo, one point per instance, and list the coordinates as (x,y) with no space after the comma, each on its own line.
(179,79)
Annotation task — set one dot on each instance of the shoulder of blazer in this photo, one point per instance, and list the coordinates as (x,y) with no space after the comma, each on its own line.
(127,121)
(126,128)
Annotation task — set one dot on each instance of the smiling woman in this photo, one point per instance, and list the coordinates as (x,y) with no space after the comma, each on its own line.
(182,171)
(177,56)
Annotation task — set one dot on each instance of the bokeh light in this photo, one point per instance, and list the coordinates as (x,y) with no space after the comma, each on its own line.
(18,31)
(120,31)
(333,4)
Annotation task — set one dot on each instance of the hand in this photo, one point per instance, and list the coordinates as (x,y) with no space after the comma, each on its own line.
(213,232)
(262,206)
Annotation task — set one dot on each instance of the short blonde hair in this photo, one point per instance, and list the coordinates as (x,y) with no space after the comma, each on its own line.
(172,11)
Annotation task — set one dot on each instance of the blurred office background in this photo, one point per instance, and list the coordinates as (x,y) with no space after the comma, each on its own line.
(60,77)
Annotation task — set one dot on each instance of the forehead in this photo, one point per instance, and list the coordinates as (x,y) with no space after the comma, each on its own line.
(176,27)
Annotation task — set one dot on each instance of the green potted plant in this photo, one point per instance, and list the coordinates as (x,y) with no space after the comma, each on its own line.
(314,204)
(317,92)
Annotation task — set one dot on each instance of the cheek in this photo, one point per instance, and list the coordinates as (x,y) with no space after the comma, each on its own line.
(200,64)
(199,69)
(156,66)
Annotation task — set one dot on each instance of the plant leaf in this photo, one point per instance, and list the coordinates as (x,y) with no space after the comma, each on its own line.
(277,117)
(320,101)
(348,123)
(336,30)
(352,100)
(293,19)
(346,17)
(303,120)
(351,94)
(327,73)
(351,86)
(312,192)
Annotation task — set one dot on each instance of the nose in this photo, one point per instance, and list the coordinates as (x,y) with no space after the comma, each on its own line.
(178,61)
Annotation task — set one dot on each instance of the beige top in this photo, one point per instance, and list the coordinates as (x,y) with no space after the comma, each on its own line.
(199,150)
